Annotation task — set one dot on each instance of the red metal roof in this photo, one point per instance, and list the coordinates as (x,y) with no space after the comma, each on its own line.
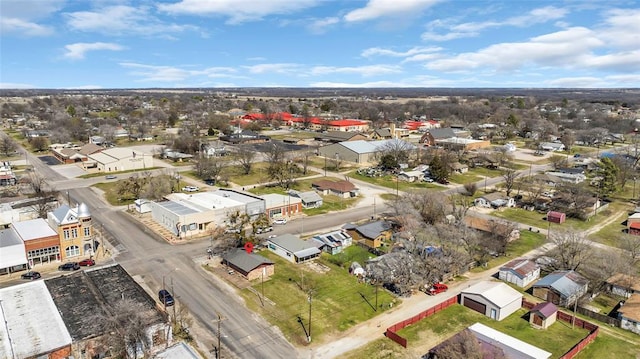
(635,225)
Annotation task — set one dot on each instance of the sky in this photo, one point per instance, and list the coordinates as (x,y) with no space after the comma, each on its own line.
(94,44)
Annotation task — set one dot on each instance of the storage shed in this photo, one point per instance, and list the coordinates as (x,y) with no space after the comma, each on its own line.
(493,299)
(356,269)
(556,217)
(542,315)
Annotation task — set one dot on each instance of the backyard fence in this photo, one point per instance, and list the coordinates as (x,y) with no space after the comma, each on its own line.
(599,317)
(580,323)
(391,331)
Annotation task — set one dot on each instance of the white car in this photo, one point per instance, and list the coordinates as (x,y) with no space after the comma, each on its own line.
(190,189)
(280,221)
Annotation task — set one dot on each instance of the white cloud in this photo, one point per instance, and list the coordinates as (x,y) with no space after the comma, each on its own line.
(21,16)
(320,26)
(159,73)
(23,27)
(282,68)
(472,29)
(237,12)
(78,50)
(384,8)
(622,28)
(416,81)
(122,20)
(15,85)
(371,70)
(565,48)
(377,51)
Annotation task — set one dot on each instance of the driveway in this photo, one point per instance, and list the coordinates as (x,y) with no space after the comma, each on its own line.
(69,171)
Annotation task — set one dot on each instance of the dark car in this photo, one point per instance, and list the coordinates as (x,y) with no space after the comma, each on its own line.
(165,297)
(87,263)
(31,275)
(69,266)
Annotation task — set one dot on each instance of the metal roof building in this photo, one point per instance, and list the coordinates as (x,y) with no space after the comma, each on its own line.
(361,151)
(292,248)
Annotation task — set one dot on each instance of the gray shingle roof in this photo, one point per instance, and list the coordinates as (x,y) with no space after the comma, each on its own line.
(295,245)
(372,230)
(245,261)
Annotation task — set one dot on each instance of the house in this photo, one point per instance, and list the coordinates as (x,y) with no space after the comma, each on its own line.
(520,272)
(372,234)
(411,176)
(623,285)
(310,199)
(176,156)
(381,134)
(542,315)
(212,151)
(494,200)
(75,230)
(7,177)
(493,344)
(458,167)
(250,265)
(492,225)
(333,242)
(97,140)
(551,146)
(568,177)
(556,217)
(496,300)
(11,252)
(341,188)
(32,326)
(41,242)
(245,136)
(430,136)
(277,205)
(293,249)
(561,287)
(629,314)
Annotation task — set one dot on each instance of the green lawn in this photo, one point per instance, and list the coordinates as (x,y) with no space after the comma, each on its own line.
(112,196)
(535,219)
(463,178)
(608,346)
(258,174)
(557,339)
(608,234)
(351,254)
(337,304)
(391,182)
(606,302)
(527,241)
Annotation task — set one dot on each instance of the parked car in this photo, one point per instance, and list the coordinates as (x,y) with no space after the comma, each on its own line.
(69,266)
(190,189)
(31,275)
(280,221)
(437,288)
(427,179)
(165,297)
(110,177)
(87,263)
(264,230)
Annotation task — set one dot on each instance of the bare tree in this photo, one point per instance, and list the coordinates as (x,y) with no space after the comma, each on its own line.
(125,328)
(509,176)
(44,193)
(157,187)
(631,244)
(470,188)
(39,143)
(571,250)
(244,156)
(280,167)
(400,151)
(7,145)
(502,232)
(209,168)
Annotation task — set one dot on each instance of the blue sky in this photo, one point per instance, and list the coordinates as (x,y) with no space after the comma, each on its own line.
(318,43)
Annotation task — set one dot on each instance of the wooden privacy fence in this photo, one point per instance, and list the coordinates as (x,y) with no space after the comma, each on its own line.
(580,323)
(391,331)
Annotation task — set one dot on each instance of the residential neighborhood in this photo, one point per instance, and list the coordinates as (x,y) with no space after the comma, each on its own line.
(367,229)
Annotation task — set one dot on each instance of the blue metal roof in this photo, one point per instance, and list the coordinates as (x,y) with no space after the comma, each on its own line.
(565,282)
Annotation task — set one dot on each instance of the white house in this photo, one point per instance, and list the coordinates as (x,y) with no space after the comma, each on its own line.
(623,285)
(629,314)
(292,248)
(333,242)
(411,176)
(551,146)
(520,272)
(496,300)
(494,200)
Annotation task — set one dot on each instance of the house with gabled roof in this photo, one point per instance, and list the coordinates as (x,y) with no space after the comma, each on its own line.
(75,230)
(561,287)
(310,199)
(496,300)
(340,136)
(542,315)
(629,314)
(293,249)
(333,242)
(340,188)
(250,265)
(494,200)
(372,234)
(623,285)
(520,272)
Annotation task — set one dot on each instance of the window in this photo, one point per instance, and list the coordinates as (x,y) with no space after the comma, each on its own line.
(87,231)
(74,232)
(65,234)
(72,251)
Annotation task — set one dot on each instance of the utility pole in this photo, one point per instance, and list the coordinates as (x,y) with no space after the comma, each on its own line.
(174,304)
(309,337)
(262,285)
(219,348)
(376,297)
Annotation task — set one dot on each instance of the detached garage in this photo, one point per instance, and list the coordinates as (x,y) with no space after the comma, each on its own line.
(496,300)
